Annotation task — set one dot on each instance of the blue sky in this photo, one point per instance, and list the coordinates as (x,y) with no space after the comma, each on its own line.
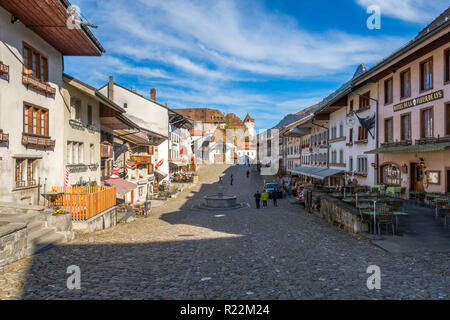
(266,58)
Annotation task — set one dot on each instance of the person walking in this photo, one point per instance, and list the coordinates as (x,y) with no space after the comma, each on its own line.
(257,196)
(275,198)
(265,198)
(231,180)
(248,173)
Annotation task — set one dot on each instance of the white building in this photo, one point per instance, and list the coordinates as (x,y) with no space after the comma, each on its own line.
(32,49)
(149,115)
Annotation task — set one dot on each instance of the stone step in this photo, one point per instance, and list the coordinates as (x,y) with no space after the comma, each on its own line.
(35,226)
(43,239)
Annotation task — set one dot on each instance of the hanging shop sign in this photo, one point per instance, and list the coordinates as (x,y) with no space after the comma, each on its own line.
(418,101)
(350,120)
(131,165)
(160,163)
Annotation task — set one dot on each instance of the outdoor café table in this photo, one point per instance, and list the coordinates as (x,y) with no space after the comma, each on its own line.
(394,190)
(365,206)
(379,187)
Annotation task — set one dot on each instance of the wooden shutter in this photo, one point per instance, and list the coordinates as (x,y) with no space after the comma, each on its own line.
(351,135)
(38,121)
(45,61)
(46,129)
(30,120)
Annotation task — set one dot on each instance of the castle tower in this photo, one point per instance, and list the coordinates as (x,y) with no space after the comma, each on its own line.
(250,125)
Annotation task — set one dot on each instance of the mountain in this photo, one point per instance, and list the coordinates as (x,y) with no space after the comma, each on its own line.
(290,118)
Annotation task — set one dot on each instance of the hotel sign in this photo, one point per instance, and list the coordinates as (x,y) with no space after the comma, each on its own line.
(418,101)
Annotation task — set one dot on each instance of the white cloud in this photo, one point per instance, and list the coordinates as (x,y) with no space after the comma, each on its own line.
(418,11)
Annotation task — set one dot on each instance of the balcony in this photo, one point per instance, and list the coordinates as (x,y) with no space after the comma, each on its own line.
(38,85)
(141,160)
(4,69)
(28,140)
(433,140)
(396,144)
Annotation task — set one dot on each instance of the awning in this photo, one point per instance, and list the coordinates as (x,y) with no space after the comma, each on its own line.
(325,173)
(122,186)
(318,173)
(306,171)
(414,148)
(160,175)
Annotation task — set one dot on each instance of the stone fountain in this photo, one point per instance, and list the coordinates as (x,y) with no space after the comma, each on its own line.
(220,201)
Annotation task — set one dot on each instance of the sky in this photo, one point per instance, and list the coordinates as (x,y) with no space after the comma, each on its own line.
(264,57)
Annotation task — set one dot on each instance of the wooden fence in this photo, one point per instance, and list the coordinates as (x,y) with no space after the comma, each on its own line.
(84,203)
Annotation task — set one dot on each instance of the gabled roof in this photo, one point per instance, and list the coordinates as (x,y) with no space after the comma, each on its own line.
(203,114)
(248,118)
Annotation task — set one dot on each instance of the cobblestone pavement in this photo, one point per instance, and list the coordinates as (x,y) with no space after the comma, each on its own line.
(181,253)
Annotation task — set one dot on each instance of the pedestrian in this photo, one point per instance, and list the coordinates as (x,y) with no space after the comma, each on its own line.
(265,198)
(275,198)
(257,196)
(248,173)
(231,180)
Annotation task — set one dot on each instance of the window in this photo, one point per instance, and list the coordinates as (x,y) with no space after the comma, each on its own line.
(89,114)
(333,133)
(391,175)
(350,163)
(362,165)
(26,172)
(75,106)
(388,91)
(34,63)
(341,156)
(447,65)
(426,75)
(333,157)
(341,130)
(388,130)
(405,84)
(364,100)
(405,121)
(351,106)
(75,153)
(363,134)
(350,134)
(35,121)
(426,123)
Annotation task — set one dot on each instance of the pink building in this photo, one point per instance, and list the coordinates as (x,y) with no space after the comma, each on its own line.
(414,111)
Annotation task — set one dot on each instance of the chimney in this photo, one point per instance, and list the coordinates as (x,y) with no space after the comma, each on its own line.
(153,94)
(111,88)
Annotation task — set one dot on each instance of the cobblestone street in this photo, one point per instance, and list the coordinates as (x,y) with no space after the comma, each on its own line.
(183,253)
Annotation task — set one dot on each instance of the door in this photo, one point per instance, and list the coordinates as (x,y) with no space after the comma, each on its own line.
(416,177)
(132,196)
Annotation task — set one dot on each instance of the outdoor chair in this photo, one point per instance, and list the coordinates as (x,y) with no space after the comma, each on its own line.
(366,218)
(447,215)
(385,218)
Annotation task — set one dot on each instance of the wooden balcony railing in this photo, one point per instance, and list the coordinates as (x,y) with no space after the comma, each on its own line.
(4,69)
(37,84)
(433,140)
(37,141)
(141,160)
(84,203)
(396,144)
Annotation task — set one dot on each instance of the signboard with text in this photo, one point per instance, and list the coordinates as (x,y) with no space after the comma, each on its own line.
(418,101)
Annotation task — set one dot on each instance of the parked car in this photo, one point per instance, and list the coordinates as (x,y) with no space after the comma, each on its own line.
(274,187)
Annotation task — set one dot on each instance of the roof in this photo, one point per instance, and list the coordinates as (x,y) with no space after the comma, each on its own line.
(49,19)
(248,118)
(414,148)
(438,24)
(122,186)
(93,92)
(203,114)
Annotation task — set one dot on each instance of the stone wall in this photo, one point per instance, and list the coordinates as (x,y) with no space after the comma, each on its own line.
(104,220)
(13,242)
(336,212)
